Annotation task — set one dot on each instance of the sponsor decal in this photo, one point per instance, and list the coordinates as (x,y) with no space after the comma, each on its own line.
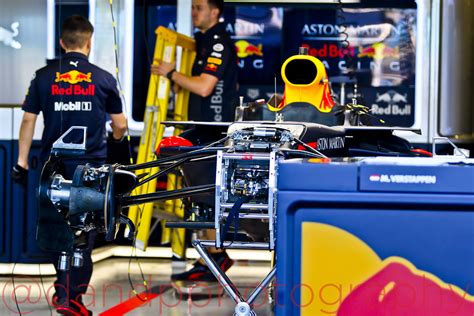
(403,178)
(73,90)
(211,67)
(73,77)
(329,50)
(217,100)
(217,55)
(218,47)
(330,143)
(6,36)
(331,31)
(393,99)
(379,51)
(74,63)
(253,93)
(245,27)
(245,49)
(213,60)
(73,106)
(374,177)
(391,96)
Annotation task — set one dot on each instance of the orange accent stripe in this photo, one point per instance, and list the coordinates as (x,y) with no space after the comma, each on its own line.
(128,305)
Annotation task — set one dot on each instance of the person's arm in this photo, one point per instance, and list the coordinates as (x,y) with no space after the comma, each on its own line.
(119,125)
(27,129)
(202,85)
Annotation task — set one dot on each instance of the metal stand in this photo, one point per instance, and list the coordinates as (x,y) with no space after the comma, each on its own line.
(244,306)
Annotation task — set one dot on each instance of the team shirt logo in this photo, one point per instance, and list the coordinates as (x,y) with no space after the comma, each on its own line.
(218,47)
(211,67)
(73,106)
(73,77)
(213,60)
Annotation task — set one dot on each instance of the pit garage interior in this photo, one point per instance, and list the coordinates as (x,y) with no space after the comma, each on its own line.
(344,185)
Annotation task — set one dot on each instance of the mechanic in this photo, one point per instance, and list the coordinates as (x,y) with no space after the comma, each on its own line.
(70,92)
(213,97)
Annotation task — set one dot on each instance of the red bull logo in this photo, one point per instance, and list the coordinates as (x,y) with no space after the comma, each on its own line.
(245,49)
(327,103)
(353,280)
(379,51)
(401,289)
(73,77)
(211,67)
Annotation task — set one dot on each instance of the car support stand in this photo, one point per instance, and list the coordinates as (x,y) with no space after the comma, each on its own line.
(244,306)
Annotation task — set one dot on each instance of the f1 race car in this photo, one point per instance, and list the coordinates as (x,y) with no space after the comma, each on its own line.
(230,171)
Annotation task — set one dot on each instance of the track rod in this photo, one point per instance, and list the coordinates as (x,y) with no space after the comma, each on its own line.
(167,195)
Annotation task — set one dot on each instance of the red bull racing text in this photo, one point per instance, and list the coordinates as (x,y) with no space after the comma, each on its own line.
(73,77)
(73,90)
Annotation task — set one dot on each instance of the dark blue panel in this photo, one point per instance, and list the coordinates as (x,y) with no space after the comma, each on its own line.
(5,200)
(317,176)
(436,241)
(24,216)
(434,231)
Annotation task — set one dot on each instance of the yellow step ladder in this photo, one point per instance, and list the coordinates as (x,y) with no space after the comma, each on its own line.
(167,42)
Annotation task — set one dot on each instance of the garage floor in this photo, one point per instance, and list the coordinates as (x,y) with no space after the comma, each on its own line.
(110,292)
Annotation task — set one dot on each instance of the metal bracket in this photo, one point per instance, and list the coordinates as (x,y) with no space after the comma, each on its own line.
(457,151)
(244,306)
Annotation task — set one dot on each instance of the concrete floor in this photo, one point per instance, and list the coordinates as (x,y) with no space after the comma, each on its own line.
(110,286)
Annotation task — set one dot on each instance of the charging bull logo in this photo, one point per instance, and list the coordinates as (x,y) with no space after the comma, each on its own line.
(391,97)
(379,51)
(391,103)
(245,49)
(6,36)
(400,289)
(73,77)
(353,280)
(211,67)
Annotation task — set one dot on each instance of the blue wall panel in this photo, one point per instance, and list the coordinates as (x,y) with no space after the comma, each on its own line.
(5,200)
(25,209)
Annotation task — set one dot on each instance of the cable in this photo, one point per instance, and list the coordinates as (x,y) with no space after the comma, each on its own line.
(44,291)
(345,44)
(134,251)
(13,279)
(116,53)
(14,287)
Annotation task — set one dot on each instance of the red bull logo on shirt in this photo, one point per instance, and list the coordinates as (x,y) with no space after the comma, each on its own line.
(211,67)
(73,77)
(245,49)
(73,90)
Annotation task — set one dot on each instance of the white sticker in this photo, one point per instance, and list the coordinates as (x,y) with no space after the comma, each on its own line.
(218,55)
(218,47)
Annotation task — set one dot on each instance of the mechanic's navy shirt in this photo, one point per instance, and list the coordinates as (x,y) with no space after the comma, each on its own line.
(216,56)
(73,92)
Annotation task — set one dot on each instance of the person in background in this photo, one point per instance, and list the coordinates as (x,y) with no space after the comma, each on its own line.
(213,97)
(70,92)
